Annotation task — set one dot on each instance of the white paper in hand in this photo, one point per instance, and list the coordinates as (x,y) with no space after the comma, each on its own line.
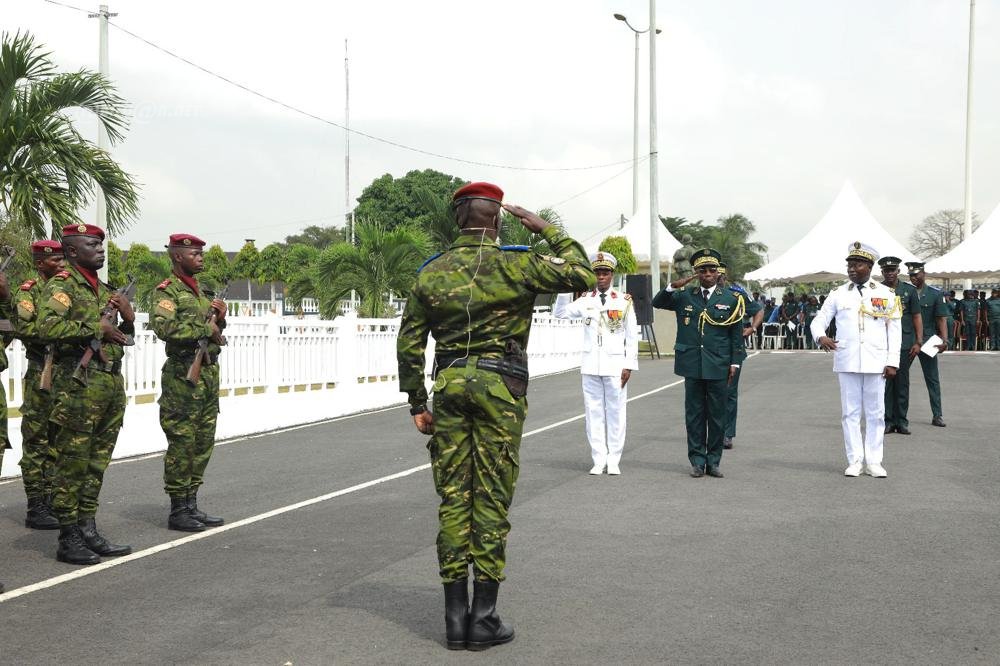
(930,347)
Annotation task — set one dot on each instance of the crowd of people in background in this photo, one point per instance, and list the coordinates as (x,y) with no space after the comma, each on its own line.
(973,320)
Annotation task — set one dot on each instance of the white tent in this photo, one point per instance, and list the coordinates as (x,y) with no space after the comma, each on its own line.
(820,255)
(636,230)
(975,258)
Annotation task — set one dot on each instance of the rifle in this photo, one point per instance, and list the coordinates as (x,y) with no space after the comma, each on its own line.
(45,380)
(8,252)
(110,315)
(201,353)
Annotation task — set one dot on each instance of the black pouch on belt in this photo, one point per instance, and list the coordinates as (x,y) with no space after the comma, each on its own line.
(515,357)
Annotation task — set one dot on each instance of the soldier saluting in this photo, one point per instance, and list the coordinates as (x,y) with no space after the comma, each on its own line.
(477,298)
(77,313)
(188,318)
(37,452)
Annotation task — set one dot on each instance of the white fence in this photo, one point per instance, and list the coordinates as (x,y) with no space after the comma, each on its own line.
(283,371)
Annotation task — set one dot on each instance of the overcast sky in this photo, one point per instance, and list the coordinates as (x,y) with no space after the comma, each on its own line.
(765,106)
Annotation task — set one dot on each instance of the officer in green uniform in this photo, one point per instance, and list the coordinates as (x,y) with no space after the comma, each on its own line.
(752,319)
(951,305)
(184,315)
(88,406)
(37,453)
(897,388)
(993,316)
(477,299)
(934,316)
(709,350)
(809,311)
(790,318)
(970,317)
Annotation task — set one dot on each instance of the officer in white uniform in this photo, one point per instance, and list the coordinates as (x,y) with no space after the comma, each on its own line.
(611,353)
(866,353)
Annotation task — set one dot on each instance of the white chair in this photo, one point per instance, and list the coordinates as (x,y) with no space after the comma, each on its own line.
(772,337)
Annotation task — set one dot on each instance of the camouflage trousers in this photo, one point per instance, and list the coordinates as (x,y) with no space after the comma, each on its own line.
(188,415)
(38,455)
(86,422)
(474,458)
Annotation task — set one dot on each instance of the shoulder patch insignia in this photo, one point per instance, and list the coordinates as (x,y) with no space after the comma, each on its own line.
(429,261)
(62,275)
(60,302)
(164,284)
(25,309)
(516,248)
(165,308)
(28,284)
(554,260)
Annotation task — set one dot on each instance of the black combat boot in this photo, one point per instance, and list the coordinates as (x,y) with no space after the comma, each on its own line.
(485,626)
(181,518)
(199,515)
(40,515)
(97,543)
(72,548)
(456,612)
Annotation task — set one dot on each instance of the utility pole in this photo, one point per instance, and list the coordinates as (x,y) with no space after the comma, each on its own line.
(102,135)
(654,220)
(347,156)
(968,131)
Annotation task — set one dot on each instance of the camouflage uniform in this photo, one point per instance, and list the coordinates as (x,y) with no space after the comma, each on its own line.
(187,414)
(473,299)
(86,419)
(38,455)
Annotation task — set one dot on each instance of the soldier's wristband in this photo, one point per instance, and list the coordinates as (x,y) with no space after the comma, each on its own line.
(419,409)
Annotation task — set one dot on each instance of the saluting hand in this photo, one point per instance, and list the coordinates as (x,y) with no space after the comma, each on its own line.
(677,284)
(424,422)
(827,343)
(531,221)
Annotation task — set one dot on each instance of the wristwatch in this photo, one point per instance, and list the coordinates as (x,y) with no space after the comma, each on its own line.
(419,409)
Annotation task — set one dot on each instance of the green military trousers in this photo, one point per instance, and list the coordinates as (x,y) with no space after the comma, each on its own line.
(732,404)
(705,418)
(474,458)
(188,416)
(86,421)
(38,455)
(897,392)
(932,379)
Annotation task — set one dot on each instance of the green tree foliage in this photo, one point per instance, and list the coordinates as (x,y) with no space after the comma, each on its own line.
(116,266)
(440,218)
(217,271)
(48,170)
(394,201)
(271,265)
(680,227)
(512,232)
(319,237)
(384,261)
(299,265)
(246,265)
(149,270)
(622,250)
(731,237)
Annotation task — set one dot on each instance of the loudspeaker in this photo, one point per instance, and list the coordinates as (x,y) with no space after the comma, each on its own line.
(641,289)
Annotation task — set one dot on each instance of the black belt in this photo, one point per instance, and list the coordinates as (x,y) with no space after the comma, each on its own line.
(497,365)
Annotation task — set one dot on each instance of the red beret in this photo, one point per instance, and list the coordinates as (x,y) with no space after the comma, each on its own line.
(83,230)
(46,247)
(487,191)
(185,240)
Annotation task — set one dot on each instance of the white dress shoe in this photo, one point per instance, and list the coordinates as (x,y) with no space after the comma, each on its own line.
(877,471)
(853,470)
(597,469)
(614,470)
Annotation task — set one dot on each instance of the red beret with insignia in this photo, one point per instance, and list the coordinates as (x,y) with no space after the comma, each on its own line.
(487,191)
(185,240)
(83,230)
(46,248)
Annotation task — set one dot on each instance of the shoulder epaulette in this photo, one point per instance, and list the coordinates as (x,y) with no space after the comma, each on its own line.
(516,248)
(429,261)
(28,284)
(739,290)
(62,275)
(164,284)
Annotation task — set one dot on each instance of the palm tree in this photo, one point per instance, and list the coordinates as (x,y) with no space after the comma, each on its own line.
(441,218)
(730,236)
(514,233)
(381,263)
(48,171)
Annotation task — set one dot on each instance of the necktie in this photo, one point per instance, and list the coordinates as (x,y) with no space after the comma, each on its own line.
(603,297)
(860,287)
(704,294)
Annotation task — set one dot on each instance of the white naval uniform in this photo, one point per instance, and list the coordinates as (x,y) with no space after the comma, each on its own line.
(606,353)
(865,346)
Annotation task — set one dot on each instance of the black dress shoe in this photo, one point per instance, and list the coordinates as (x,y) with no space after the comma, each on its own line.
(938,421)
(697,472)
(890,429)
(713,470)
(902,430)
(727,442)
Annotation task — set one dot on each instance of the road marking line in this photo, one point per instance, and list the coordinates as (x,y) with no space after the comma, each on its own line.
(169,545)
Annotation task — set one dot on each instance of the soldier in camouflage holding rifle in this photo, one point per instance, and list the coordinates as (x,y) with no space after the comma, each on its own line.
(38,456)
(87,407)
(477,299)
(183,315)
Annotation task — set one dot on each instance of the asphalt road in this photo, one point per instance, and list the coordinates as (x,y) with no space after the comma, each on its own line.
(783,561)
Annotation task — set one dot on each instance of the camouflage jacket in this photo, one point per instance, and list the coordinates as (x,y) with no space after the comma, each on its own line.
(180,318)
(69,314)
(26,301)
(477,295)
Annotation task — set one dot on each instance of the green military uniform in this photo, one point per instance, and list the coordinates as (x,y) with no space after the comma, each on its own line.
(709,341)
(993,316)
(86,419)
(751,308)
(933,305)
(475,298)
(790,315)
(809,312)
(952,308)
(188,414)
(897,389)
(38,455)
(970,320)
